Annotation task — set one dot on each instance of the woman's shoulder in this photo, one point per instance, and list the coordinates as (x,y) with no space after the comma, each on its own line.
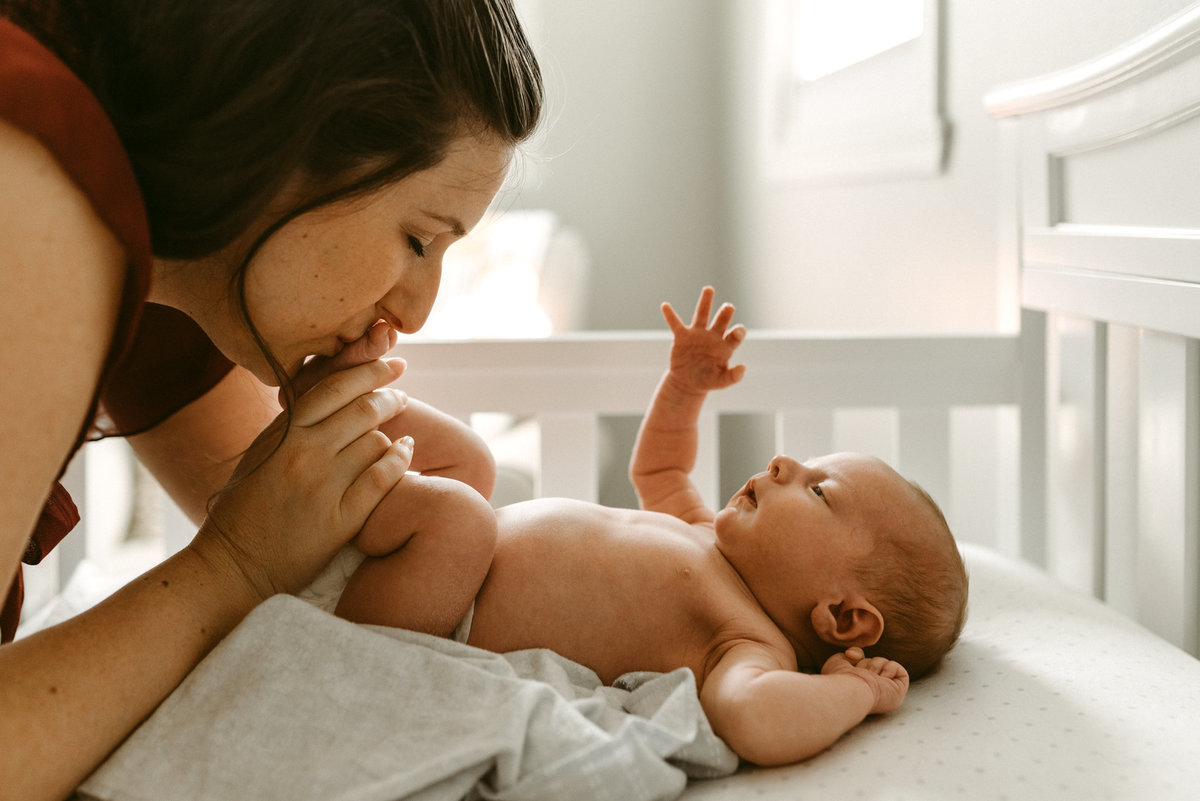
(53,243)
(41,97)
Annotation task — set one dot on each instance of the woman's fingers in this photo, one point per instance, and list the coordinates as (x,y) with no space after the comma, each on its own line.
(372,483)
(339,390)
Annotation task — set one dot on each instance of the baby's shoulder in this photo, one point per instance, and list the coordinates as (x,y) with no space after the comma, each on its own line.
(746,627)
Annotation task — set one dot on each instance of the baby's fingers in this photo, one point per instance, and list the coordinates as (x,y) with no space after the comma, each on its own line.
(703,307)
(723,317)
(674,321)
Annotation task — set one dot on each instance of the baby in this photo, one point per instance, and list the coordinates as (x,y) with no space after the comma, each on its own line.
(789,605)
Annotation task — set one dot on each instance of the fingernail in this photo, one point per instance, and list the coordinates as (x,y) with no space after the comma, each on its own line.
(406,440)
(397,364)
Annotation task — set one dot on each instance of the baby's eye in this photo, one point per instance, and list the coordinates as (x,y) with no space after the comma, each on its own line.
(415,245)
(820,492)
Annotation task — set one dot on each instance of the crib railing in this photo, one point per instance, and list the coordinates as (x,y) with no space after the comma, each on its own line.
(893,396)
(1108,246)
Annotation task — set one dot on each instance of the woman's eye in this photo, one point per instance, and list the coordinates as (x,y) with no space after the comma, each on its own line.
(415,245)
(820,492)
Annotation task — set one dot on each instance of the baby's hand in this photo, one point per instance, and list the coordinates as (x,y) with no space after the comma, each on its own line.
(887,679)
(700,352)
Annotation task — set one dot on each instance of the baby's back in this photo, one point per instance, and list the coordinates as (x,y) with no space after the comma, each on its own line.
(616,590)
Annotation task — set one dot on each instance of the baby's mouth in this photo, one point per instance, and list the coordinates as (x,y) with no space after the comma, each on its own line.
(751,496)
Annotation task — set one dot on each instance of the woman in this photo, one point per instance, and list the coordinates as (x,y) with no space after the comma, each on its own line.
(201,203)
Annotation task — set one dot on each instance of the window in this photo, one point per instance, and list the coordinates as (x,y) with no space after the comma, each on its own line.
(854,89)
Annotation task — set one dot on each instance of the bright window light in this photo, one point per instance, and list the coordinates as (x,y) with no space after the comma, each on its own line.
(830,35)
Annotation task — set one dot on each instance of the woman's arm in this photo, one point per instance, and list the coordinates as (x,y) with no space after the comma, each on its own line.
(61,276)
(70,694)
(193,452)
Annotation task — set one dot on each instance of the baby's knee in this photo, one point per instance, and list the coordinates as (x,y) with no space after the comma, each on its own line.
(471,517)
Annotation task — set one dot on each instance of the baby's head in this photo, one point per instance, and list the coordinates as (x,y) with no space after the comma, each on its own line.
(916,578)
(842,550)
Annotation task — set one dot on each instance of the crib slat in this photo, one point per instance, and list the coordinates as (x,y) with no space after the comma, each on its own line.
(1034,432)
(924,450)
(804,433)
(706,473)
(1169,472)
(1121,470)
(569,456)
(1075,508)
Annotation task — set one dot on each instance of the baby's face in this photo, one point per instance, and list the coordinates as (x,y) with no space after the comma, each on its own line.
(795,531)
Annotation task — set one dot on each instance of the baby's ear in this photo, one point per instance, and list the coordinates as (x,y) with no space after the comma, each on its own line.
(847,622)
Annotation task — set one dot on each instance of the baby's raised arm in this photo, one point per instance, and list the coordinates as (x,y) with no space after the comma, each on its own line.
(665,452)
(771,715)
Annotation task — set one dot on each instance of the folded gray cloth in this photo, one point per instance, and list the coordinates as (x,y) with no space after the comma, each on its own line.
(297,704)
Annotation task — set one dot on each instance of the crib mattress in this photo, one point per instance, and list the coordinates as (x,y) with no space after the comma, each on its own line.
(1049,694)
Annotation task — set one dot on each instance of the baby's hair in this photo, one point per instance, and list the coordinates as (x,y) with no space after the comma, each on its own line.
(918,581)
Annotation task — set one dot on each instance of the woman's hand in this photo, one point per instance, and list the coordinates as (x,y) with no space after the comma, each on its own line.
(305,489)
(701,351)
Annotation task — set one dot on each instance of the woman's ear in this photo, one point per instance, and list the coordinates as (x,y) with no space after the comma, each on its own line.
(847,622)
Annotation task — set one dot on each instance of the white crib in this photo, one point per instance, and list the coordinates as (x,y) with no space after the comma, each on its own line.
(1076,682)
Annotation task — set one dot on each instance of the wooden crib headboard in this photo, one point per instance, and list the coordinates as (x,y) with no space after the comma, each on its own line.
(1107,158)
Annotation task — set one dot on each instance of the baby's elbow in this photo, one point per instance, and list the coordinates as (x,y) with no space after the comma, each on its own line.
(758,744)
(760,729)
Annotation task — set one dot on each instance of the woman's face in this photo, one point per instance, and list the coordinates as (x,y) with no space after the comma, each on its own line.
(326,277)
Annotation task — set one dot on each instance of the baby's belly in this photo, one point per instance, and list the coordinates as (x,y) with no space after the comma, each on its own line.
(609,589)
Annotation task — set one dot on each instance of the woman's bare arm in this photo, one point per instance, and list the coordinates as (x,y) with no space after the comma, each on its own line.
(70,694)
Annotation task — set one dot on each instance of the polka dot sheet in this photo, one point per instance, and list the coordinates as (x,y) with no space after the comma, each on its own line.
(1049,694)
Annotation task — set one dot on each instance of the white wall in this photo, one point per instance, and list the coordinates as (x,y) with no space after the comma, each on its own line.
(634,155)
(652,113)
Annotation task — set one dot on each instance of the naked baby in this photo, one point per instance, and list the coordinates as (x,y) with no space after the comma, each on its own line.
(801,607)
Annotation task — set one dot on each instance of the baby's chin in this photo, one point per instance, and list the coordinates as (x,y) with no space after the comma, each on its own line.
(722,519)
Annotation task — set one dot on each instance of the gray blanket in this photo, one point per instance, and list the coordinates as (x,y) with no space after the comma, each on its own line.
(296,704)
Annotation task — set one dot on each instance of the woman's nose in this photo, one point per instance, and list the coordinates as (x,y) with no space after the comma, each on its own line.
(784,469)
(406,307)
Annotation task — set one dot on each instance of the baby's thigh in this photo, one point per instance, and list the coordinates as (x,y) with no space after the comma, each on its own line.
(430,582)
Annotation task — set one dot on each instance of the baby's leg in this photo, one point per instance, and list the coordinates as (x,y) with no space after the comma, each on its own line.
(429,544)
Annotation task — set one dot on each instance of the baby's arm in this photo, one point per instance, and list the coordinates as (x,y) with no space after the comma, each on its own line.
(665,452)
(429,544)
(771,715)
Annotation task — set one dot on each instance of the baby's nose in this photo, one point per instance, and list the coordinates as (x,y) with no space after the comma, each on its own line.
(784,469)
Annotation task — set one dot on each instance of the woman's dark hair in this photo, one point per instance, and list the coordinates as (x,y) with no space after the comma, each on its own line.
(219,103)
